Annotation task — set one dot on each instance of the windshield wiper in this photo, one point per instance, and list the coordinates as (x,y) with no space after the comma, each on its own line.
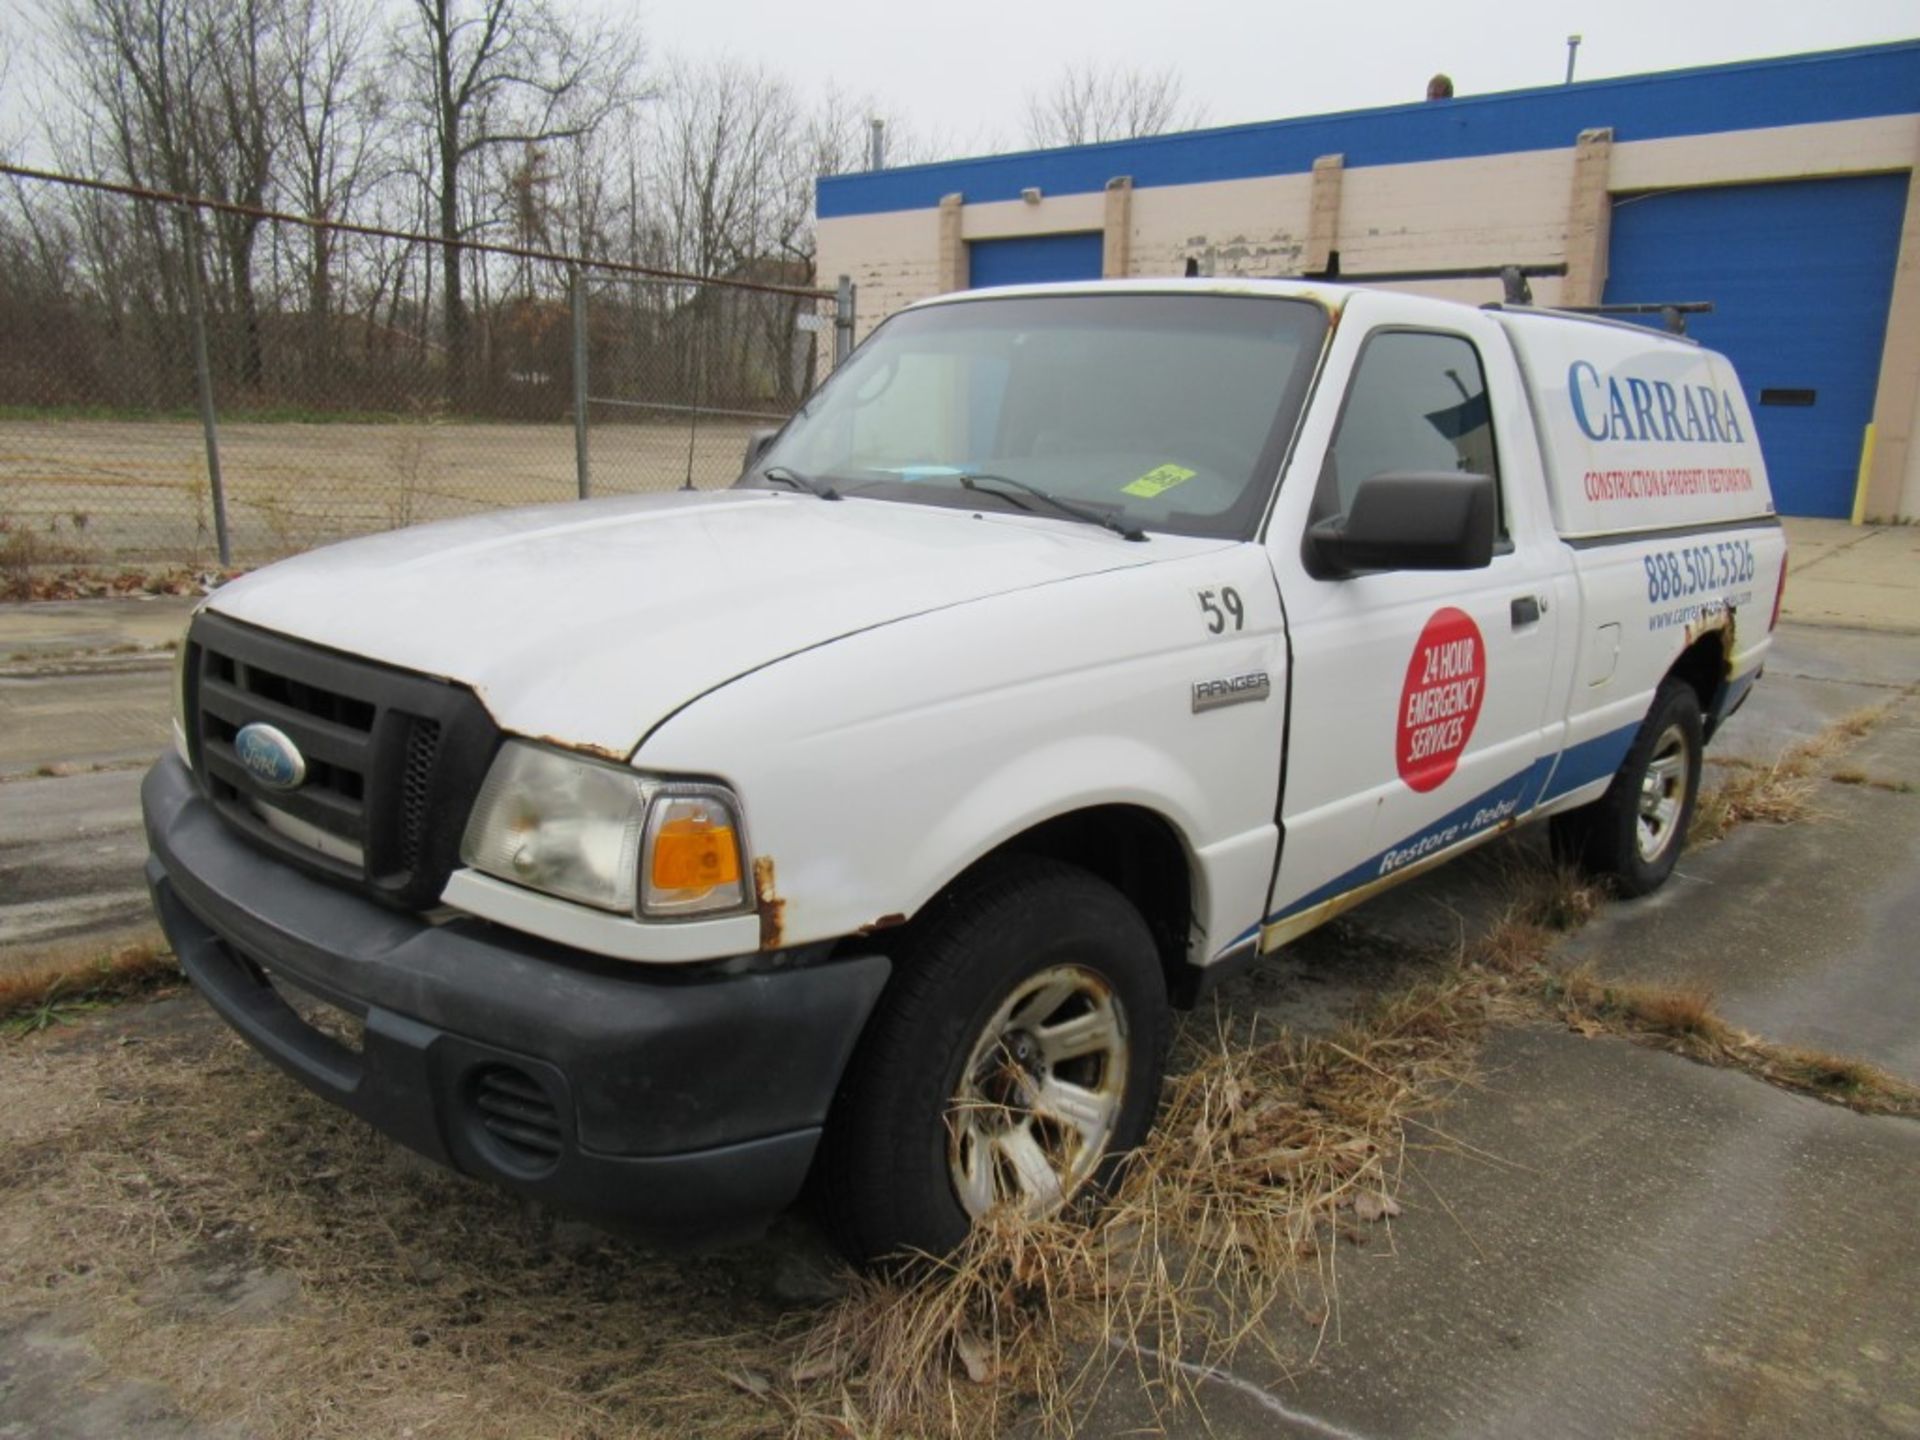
(782,475)
(978,480)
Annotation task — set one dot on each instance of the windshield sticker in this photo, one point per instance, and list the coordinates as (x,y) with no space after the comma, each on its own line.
(1446,681)
(921,472)
(1158,481)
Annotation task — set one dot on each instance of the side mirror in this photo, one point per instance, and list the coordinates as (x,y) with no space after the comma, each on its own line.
(757,443)
(1409,520)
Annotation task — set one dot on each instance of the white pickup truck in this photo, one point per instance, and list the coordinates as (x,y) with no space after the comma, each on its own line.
(1071,646)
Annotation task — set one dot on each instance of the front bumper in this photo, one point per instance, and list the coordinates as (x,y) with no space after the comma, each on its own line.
(685,1106)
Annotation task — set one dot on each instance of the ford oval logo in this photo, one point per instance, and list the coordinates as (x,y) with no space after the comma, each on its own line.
(270,757)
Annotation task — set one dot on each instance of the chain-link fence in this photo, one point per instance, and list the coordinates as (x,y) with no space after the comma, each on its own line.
(184,383)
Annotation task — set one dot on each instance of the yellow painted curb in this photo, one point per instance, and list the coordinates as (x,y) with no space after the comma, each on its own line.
(1866,469)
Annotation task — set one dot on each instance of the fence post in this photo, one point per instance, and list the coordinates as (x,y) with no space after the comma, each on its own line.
(203,377)
(580,465)
(843,320)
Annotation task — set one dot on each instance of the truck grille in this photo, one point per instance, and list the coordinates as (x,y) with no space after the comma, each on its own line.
(393,759)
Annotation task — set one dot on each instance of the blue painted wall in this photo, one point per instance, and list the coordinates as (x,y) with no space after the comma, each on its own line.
(1034,259)
(1800,275)
(1799,89)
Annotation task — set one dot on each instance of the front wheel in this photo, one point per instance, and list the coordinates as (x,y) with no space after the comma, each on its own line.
(1633,834)
(1013,1062)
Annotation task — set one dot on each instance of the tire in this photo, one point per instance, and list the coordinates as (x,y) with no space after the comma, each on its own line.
(1633,834)
(972,1031)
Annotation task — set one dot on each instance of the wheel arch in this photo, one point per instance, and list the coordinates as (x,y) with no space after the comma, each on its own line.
(1703,665)
(1138,851)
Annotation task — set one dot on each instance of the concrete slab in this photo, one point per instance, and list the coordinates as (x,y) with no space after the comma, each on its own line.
(1860,576)
(1814,677)
(79,717)
(1804,933)
(71,857)
(1612,1242)
(65,627)
(1810,541)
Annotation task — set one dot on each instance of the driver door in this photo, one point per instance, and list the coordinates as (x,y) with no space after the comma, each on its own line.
(1418,697)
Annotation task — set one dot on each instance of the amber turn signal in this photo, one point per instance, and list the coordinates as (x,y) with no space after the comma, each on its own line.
(693,854)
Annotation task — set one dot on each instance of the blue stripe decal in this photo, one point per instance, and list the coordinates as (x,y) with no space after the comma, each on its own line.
(1794,90)
(1515,796)
(1590,760)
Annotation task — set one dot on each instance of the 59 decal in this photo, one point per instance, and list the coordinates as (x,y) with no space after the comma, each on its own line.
(1223,608)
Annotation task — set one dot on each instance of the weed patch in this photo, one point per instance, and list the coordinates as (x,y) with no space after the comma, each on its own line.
(1682,1019)
(35,999)
(1780,793)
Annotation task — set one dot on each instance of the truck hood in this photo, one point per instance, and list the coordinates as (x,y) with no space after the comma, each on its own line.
(590,623)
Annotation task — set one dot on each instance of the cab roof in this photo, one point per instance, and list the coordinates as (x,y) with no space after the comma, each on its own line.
(1331,296)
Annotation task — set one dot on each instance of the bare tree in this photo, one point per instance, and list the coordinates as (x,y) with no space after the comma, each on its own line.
(178,94)
(1087,104)
(332,112)
(722,147)
(136,62)
(233,136)
(488,74)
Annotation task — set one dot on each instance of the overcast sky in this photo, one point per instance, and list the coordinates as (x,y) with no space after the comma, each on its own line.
(963,70)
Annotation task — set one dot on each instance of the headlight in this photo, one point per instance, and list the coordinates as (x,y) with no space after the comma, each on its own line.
(606,836)
(180,696)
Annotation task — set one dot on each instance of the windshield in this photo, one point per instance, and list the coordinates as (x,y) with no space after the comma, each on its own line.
(1167,412)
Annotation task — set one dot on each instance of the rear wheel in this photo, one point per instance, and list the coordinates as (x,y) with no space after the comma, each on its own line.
(1633,834)
(1015,1059)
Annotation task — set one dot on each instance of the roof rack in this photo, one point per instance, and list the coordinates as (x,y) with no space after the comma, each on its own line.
(1510,275)
(1519,296)
(1518,293)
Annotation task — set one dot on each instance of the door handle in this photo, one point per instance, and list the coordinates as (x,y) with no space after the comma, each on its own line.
(1525,611)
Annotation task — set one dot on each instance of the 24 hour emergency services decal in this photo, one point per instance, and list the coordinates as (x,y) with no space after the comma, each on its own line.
(1446,683)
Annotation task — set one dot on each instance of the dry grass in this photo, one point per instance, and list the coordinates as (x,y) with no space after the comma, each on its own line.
(130,1174)
(1269,1154)
(170,1186)
(126,1173)
(36,997)
(1780,793)
(1872,782)
(1681,1018)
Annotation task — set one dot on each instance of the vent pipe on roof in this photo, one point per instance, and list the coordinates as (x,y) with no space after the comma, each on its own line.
(1573,49)
(877,146)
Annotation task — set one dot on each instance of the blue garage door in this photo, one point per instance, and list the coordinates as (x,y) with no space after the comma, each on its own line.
(1800,275)
(1034,259)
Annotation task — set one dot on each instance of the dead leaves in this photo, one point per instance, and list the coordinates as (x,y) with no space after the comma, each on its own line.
(26,583)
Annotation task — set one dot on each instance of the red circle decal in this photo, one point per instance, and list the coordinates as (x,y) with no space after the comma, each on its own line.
(1446,681)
